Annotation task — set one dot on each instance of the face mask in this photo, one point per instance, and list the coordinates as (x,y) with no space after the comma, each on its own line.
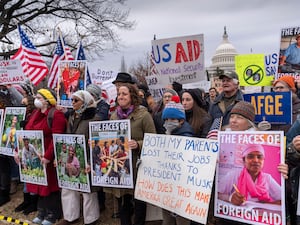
(170,126)
(81,109)
(38,103)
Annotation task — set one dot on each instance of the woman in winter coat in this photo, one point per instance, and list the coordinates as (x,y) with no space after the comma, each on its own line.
(141,122)
(49,196)
(84,111)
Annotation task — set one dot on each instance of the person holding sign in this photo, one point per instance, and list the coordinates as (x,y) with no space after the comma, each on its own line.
(173,116)
(250,183)
(141,122)
(84,111)
(49,196)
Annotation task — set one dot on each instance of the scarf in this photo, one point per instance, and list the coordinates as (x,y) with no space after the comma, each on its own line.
(259,190)
(124,113)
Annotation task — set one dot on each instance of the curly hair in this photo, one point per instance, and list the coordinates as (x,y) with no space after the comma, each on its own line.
(133,91)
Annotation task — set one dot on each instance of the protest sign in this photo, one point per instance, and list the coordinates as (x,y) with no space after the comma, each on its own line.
(110,155)
(289,59)
(1,117)
(11,123)
(249,187)
(100,74)
(251,70)
(71,161)
(176,173)
(11,72)
(179,59)
(31,151)
(274,107)
(72,76)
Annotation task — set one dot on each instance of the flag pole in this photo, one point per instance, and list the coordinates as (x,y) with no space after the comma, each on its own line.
(59,76)
(62,41)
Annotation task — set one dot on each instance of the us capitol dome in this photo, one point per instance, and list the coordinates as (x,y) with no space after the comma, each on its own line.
(224,56)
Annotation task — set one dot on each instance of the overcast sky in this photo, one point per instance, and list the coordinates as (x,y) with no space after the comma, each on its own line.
(254,24)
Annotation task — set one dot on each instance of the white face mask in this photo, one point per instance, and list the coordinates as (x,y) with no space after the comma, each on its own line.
(171,125)
(38,103)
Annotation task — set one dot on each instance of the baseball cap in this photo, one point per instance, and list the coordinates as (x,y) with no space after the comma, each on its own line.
(229,74)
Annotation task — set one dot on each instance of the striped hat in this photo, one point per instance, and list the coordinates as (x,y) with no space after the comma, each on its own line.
(244,109)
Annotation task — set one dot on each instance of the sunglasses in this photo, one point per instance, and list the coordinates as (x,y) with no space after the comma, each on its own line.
(75,100)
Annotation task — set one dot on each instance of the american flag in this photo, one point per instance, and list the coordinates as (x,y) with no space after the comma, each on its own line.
(81,56)
(153,69)
(214,129)
(62,52)
(34,67)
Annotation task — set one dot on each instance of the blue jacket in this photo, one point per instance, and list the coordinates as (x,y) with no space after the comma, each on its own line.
(216,112)
(184,130)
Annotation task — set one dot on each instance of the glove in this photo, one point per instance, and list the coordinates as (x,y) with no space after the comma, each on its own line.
(264,125)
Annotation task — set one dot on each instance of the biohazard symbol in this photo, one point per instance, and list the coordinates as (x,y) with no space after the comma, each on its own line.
(253,74)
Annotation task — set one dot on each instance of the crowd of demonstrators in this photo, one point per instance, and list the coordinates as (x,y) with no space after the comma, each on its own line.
(180,112)
(141,122)
(84,111)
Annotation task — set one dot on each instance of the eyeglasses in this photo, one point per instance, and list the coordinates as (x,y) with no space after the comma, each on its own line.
(168,96)
(75,100)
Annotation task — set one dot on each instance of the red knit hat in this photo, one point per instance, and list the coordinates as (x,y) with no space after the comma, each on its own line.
(289,80)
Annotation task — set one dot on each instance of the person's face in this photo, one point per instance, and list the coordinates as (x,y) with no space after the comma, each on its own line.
(14,120)
(281,87)
(254,162)
(42,100)
(212,93)
(71,152)
(187,101)
(26,142)
(64,148)
(298,41)
(124,98)
(76,103)
(141,94)
(229,84)
(238,123)
(167,97)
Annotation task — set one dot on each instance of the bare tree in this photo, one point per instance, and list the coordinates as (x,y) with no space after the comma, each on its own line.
(94,22)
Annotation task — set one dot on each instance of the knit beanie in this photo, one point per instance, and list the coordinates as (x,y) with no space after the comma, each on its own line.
(171,91)
(48,95)
(196,94)
(289,80)
(94,90)
(86,97)
(173,110)
(253,148)
(244,109)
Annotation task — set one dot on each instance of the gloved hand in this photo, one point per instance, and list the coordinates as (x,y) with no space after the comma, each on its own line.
(264,125)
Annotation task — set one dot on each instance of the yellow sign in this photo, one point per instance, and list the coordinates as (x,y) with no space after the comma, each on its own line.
(251,70)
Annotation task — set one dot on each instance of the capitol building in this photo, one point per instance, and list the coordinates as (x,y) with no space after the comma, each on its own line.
(222,60)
